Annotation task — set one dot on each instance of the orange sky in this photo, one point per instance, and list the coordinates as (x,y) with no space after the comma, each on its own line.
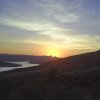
(49,27)
(41,50)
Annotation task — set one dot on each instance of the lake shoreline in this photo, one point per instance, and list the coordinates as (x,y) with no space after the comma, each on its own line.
(23,64)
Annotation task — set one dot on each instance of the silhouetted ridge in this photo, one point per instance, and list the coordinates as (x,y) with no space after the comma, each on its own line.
(7,64)
(30,58)
(77,62)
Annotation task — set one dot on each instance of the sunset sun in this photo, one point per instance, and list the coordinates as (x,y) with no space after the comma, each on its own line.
(53,52)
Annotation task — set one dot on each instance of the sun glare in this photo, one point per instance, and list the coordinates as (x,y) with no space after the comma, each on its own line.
(53,52)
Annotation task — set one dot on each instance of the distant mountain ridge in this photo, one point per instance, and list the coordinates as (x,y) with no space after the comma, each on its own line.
(77,62)
(30,58)
(9,64)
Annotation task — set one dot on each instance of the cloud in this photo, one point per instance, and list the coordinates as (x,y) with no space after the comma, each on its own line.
(57,11)
(55,23)
(67,18)
(67,38)
(25,25)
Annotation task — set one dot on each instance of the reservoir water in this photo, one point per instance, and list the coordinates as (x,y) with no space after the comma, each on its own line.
(23,63)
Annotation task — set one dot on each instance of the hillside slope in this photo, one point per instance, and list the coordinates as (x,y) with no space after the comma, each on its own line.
(77,62)
(33,84)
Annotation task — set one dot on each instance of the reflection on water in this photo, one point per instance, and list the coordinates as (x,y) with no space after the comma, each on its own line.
(24,64)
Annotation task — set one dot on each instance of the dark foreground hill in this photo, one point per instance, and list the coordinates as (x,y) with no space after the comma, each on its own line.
(36,84)
(77,62)
(31,85)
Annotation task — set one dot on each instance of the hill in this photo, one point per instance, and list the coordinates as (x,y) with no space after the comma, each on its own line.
(30,58)
(35,84)
(7,64)
(77,62)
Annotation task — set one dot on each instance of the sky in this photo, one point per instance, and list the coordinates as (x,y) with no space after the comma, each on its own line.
(49,27)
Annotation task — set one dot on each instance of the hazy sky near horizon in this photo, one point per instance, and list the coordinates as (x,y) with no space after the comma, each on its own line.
(37,26)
